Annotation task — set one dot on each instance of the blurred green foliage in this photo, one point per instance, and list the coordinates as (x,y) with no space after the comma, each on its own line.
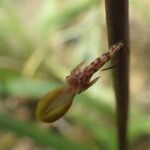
(32,62)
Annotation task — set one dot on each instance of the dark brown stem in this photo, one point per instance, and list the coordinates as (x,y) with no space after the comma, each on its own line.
(118,30)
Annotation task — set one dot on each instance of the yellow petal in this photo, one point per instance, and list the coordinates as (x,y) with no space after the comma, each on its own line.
(54,104)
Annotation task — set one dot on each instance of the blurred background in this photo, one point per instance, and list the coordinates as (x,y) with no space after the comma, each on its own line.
(40,43)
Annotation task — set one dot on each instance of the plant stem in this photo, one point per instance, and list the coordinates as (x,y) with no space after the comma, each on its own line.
(118,30)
